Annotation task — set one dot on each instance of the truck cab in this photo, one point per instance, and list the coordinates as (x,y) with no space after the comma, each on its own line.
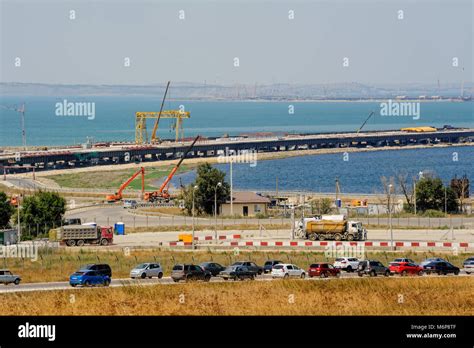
(357,230)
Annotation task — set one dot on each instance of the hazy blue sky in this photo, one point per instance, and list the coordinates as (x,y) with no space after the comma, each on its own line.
(271,48)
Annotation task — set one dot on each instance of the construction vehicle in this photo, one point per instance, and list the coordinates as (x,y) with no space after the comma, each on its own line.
(359,203)
(118,195)
(330,227)
(14,201)
(82,234)
(162,193)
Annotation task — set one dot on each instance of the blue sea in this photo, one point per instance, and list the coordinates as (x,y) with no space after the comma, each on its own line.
(114,118)
(361,173)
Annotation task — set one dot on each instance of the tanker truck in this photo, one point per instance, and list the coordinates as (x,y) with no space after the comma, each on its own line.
(330,227)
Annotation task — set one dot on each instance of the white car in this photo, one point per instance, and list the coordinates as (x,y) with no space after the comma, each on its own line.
(286,270)
(145,270)
(6,277)
(348,264)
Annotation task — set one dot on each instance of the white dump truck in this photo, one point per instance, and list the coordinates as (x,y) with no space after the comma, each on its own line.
(330,227)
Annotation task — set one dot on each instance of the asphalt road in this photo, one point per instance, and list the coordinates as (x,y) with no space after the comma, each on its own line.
(115,213)
(29,287)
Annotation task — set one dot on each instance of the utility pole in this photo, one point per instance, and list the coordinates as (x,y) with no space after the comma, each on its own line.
(19,223)
(215,210)
(193,242)
(414,195)
(390,214)
(293,223)
(445,202)
(231,190)
(20,109)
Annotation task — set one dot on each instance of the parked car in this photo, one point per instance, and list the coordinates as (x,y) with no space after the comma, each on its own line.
(7,277)
(441,267)
(323,270)
(405,268)
(372,268)
(402,259)
(432,259)
(213,267)
(130,203)
(149,270)
(348,264)
(287,270)
(189,272)
(468,265)
(88,278)
(103,269)
(268,266)
(250,265)
(237,272)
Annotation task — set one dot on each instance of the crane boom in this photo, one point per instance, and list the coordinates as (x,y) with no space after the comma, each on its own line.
(155,127)
(161,192)
(363,124)
(118,195)
(171,174)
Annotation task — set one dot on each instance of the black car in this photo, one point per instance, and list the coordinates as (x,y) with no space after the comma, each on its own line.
(250,265)
(237,272)
(189,272)
(268,266)
(372,268)
(440,267)
(212,267)
(101,269)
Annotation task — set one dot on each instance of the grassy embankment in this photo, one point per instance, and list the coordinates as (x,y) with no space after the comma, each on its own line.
(57,265)
(368,296)
(114,178)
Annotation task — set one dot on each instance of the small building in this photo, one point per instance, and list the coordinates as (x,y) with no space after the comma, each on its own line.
(246,204)
(8,237)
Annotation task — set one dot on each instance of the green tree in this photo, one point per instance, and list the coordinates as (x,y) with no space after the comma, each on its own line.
(42,211)
(6,210)
(207,180)
(322,205)
(430,194)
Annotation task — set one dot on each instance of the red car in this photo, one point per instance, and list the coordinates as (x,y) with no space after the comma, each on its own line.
(405,268)
(323,270)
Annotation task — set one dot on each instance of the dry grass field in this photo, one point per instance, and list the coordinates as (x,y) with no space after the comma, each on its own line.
(59,264)
(368,296)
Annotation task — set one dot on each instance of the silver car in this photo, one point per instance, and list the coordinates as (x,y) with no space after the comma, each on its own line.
(6,277)
(145,270)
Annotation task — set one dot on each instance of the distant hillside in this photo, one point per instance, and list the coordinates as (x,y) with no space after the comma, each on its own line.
(194,91)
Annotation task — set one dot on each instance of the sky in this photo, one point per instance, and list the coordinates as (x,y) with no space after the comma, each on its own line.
(310,48)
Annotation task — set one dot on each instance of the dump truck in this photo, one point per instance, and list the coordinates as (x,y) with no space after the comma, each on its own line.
(83,234)
(332,227)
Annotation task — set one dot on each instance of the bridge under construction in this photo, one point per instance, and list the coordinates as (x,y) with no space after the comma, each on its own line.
(120,153)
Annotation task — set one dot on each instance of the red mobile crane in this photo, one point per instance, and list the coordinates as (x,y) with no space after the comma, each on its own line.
(118,195)
(162,193)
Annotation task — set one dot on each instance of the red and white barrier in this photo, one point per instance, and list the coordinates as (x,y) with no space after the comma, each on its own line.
(360,244)
(222,237)
(307,243)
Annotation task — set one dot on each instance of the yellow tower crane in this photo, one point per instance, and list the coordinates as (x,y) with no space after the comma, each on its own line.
(141,135)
